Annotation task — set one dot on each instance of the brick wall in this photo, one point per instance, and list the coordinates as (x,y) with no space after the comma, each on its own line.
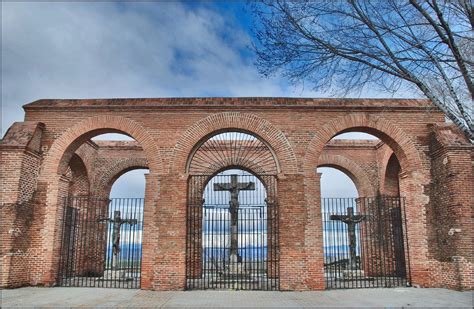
(297,131)
(451,215)
(20,159)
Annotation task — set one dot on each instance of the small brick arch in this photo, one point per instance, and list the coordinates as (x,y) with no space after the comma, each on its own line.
(388,132)
(103,183)
(227,121)
(352,170)
(79,184)
(389,180)
(383,161)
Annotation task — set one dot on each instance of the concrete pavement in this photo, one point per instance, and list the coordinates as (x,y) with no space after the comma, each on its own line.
(93,297)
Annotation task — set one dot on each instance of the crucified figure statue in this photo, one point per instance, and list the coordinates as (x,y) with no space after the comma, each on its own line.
(234,187)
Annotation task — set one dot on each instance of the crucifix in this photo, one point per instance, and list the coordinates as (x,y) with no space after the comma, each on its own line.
(234,187)
(117,222)
(351,220)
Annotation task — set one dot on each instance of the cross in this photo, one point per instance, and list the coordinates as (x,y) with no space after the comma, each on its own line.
(117,223)
(351,220)
(234,187)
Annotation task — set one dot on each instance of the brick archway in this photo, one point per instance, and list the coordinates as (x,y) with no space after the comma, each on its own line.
(51,183)
(276,140)
(103,184)
(352,170)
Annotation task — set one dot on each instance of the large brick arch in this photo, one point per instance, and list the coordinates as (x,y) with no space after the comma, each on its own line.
(103,183)
(63,147)
(228,121)
(352,170)
(388,132)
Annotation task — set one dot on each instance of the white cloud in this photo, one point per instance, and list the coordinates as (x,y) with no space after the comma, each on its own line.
(93,50)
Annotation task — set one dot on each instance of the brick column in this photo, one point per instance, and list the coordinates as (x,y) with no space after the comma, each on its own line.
(300,233)
(49,250)
(452,199)
(170,217)
(18,177)
(415,216)
(314,244)
(150,233)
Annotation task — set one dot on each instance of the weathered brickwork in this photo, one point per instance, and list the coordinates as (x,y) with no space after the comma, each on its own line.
(51,155)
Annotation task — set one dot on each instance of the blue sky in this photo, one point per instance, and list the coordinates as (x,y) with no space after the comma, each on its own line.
(126,49)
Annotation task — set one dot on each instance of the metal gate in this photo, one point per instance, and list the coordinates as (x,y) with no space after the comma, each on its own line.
(365,243)
(101,242)
(232,238)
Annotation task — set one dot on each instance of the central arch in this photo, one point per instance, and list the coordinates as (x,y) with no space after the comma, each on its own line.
(232,213)
(234,121)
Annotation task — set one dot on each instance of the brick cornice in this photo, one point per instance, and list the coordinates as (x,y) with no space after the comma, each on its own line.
(253,103)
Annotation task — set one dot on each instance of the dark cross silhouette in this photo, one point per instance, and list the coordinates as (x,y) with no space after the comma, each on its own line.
(351,220)
(234,187)
(117,222)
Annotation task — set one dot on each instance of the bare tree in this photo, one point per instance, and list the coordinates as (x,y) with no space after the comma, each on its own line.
(425,45)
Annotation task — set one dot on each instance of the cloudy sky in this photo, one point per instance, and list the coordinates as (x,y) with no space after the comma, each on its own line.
(145,49)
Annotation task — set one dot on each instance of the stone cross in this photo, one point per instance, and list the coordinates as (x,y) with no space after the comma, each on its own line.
(234,187)
(117,222)
(351,220)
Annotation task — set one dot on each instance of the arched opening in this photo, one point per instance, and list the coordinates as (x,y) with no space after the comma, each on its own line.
(232,214)
(391,183)
(363,231)
(103,211)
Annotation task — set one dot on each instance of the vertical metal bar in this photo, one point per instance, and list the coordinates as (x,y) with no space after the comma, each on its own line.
(87,202)
(383,234)
(392,278)
(63,243)
(405,236)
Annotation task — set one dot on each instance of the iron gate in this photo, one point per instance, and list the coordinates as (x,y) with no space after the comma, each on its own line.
(365,243)
(101,242)
(213,259)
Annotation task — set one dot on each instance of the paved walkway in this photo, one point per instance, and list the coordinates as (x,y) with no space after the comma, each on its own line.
(89,297)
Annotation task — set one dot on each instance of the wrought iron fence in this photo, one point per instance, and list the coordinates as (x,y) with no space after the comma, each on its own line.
(365,243)
(211,262)
(101,242)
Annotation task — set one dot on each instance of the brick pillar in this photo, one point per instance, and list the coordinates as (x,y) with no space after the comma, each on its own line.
(51,217)
(170,218)
(451,216)
(411,187)
(314,244)
(300,233)
(150,231)
(272,226)
(18,177)
(194,210)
